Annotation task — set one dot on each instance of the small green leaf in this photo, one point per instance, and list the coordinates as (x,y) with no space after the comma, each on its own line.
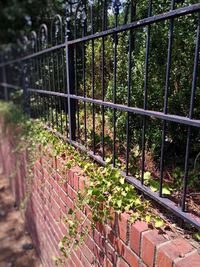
(166,190)
(154,185)
(159,222)
(197,236)
(147,176)
(122,180)
(148,218)
(108,160)
(119,203)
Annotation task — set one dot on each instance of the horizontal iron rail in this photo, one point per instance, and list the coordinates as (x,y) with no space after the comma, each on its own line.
(133,25)
(10,86)
(143,22)
(167,203)
(139,111)
(36,54)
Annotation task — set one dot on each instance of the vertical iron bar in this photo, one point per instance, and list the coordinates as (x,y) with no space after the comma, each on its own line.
(59,99)
(41,85)
(167,80)
(52,87)
(84,84)
(76,80)
(65,90)
(31,79)
(37,86)
(194,85)
(70,86)
(55,88)
(54,120)
(25,88)
(47,83)
(44,86)
(115,85)
(130,49)
(49,88)
(103,77)
(146,90)
(93,109)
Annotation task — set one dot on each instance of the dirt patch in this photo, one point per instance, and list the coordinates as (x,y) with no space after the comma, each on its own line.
(16,247)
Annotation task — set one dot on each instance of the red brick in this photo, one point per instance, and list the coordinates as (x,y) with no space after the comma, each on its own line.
(76,182)
(110,253)
(70,177)
(99,239)
(122,263)
(76,260)
(170,251)
(150,240)
(72,193)
(90,243)
(123,223)
(63,207)
(82,184)
(107,263)
(101,228)
(87,253)
(63,195)
(69,203)
(128,255)
(70,263)
(136,230)
(123,250)
(99,255)
(192,260)
(76,176)
(84,261)
(111,236)
(112,220)
(61,166)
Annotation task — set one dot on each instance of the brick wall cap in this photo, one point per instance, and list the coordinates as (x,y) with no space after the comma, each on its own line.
(192,259)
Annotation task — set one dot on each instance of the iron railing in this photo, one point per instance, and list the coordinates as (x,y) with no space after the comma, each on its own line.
(60,77)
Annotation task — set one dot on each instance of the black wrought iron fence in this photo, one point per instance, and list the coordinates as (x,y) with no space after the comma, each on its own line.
(119,80)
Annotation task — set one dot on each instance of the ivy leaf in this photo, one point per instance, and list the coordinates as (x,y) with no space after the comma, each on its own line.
(159,222)
(154,185)
(147,176)
(108,160)
(96,192)
(119,203)
(197,236)
(166,190)
(138,201)
(121,180)
(148,218)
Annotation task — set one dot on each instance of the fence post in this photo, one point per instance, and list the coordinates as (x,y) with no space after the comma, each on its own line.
(69,54)
(25,82)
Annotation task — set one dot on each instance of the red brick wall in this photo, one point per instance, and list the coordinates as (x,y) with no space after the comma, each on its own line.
(114,244)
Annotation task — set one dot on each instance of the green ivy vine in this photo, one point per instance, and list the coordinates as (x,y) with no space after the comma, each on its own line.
(106,193)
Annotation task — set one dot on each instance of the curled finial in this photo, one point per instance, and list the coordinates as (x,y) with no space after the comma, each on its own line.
(33,40)
(43,36)
(24,42)
(91,2)
(116,6)
(81,14)
(67,17)
(56,28)
(67,11)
